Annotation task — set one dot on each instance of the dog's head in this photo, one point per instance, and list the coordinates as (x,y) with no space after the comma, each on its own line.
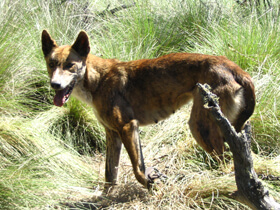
(66,64)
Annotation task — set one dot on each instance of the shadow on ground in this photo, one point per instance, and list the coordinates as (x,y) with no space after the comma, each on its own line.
(126,195)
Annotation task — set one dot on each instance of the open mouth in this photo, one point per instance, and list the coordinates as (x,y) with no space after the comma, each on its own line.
(62,96)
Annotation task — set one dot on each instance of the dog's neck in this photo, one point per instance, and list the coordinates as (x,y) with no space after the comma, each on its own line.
(95,69)
(87,84)
(81,93)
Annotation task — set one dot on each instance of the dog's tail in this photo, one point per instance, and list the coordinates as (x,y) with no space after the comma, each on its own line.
(249,98)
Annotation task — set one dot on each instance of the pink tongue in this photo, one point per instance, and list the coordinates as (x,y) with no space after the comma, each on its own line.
(59,99)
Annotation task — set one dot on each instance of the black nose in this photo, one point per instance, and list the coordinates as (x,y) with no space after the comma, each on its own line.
(55,85)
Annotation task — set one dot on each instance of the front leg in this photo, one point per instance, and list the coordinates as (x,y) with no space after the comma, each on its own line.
(113,151)
(130,139)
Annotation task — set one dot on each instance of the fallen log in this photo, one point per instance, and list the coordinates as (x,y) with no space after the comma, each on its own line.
(250,190)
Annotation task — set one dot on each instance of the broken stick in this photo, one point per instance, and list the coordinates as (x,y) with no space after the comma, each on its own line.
(250,190)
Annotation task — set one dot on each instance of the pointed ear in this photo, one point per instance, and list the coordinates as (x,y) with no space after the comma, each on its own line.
(47,43)
(81,45)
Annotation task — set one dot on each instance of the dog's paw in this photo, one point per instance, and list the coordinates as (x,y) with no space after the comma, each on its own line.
(154,176)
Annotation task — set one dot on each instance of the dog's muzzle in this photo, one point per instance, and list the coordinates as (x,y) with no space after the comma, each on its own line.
(62,95)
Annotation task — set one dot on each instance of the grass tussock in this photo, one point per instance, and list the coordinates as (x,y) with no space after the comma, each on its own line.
(54,157)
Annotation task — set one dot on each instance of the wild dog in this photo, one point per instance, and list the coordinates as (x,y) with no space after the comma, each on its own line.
(126,95)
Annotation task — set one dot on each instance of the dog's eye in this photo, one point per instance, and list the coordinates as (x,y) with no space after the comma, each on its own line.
(51,65)
(69,65)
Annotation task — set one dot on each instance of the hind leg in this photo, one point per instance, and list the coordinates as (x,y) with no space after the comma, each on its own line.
(204,129)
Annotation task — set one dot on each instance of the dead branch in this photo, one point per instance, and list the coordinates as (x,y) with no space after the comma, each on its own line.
(266,3)
(250,190)
(90,17)
(113,11)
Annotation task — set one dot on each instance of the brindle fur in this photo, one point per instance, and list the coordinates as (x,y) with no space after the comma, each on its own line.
(126,95)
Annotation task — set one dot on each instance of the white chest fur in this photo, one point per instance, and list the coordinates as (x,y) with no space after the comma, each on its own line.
(85,96)
(82,94)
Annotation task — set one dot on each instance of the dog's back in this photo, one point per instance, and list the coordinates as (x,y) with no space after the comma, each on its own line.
(156,88)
